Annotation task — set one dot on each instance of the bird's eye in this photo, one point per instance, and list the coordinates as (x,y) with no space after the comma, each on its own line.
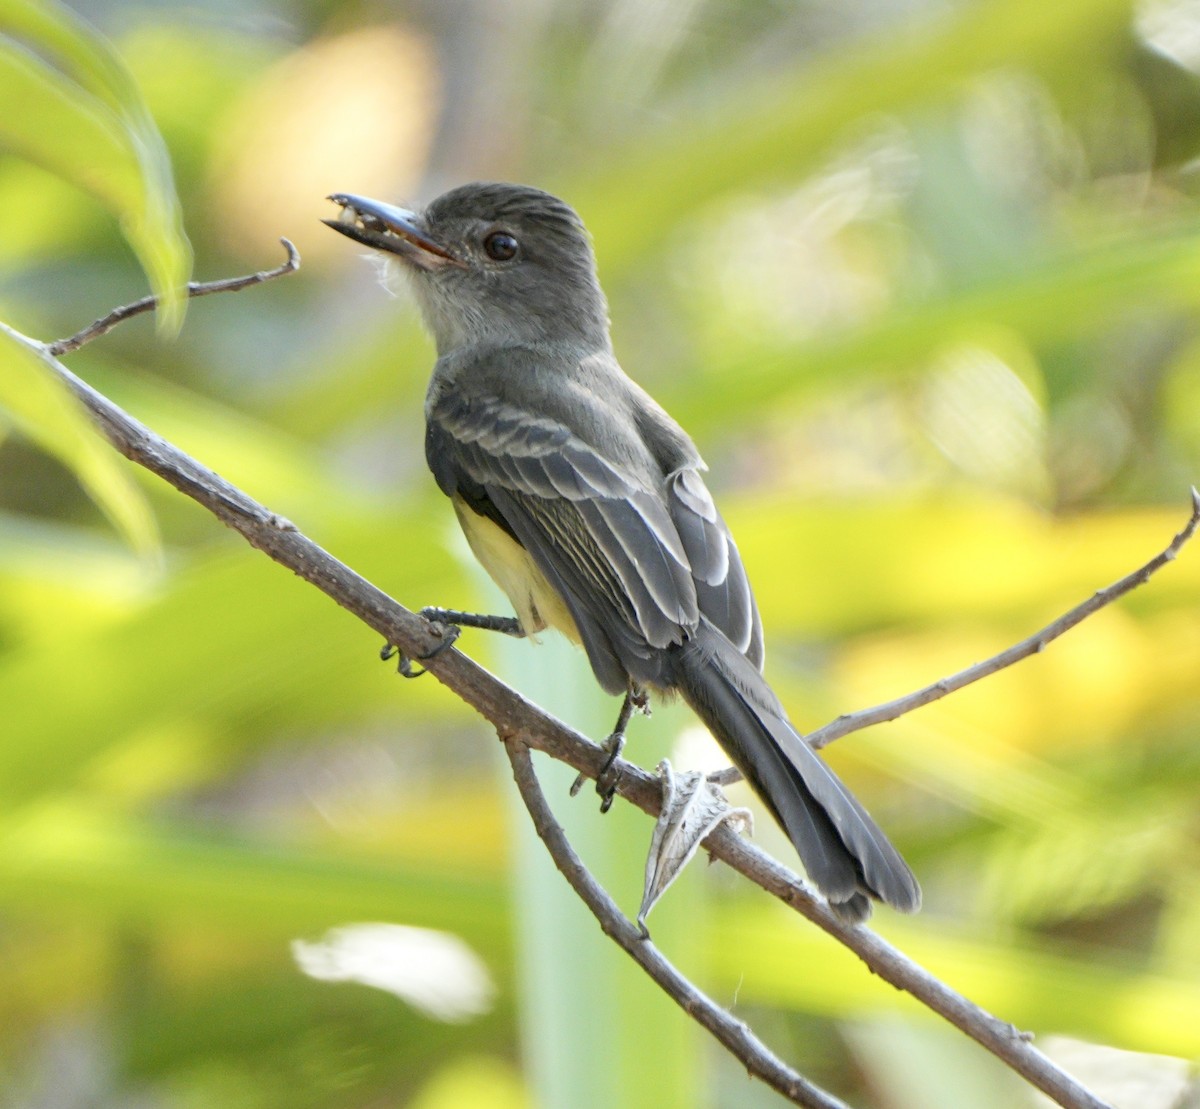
(501,246)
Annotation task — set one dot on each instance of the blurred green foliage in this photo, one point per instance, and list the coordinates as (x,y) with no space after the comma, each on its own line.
(922,282)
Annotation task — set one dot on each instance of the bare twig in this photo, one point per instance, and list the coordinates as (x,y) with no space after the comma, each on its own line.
(736,1035)
(1002,1039)
(891,710)
(512,715)
(1037,642)
(194,289)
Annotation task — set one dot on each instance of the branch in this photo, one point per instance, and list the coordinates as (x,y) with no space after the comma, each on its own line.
(734,1034)
(513,716)
(890,710)
(194,289)
(1002,1039)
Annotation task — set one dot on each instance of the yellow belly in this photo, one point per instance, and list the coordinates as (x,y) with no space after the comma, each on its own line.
(535,601)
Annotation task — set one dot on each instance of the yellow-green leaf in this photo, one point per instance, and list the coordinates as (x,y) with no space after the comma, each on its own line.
(82,117)
(45,410)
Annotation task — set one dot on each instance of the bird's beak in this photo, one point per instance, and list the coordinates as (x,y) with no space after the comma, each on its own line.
(386,227)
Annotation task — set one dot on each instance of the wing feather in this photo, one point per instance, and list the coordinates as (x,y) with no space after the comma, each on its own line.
(606,541)
(638,562)
(722,588)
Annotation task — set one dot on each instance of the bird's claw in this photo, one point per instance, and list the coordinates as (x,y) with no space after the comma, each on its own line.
(609,777)
(404,667)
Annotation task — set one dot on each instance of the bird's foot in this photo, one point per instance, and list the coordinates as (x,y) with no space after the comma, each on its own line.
(609,776)
(404,667)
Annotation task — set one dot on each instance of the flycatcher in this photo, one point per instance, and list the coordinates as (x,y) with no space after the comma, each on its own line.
(585,502)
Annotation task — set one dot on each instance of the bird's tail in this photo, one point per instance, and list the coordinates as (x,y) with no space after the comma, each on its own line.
(845,853)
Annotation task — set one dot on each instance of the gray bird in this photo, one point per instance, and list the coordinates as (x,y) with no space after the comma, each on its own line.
(584,501)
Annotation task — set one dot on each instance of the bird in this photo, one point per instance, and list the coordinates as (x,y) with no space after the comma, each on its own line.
(586,503)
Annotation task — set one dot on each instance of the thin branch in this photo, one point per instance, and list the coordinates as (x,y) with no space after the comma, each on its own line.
(194,289)
(736,1035)
(890,710)
(512,715)
(1002,1039)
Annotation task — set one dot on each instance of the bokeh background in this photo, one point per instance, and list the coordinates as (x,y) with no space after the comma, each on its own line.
(923,281)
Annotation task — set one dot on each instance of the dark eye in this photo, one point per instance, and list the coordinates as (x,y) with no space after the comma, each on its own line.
(500,245)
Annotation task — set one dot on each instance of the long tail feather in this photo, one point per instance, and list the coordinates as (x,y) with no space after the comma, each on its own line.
(844,851)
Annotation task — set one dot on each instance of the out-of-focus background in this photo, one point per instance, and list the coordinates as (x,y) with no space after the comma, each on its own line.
(922,280)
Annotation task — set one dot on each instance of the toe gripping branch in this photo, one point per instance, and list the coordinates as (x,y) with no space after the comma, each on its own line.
(404,665)
(451,621)
(610,774)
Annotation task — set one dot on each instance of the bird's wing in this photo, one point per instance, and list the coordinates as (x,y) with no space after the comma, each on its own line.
(722,588)
(602,536)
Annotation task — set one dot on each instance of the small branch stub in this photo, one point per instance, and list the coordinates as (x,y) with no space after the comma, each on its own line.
(194,289)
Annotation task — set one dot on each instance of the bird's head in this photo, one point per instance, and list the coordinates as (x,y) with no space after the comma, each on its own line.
(490,263)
